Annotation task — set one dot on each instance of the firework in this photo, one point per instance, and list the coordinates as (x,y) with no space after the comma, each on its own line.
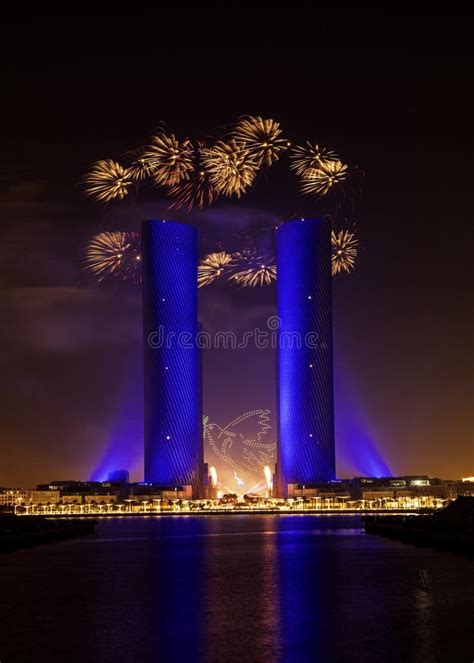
(232,169)
(261,137)
(311,157)
(344,251)
(213,475)
(268,477)
(167,159)
(115,254)
(197,190)
(321,181)
(140,169)
(240,483)
(255,269)
(107,180)
(213,266)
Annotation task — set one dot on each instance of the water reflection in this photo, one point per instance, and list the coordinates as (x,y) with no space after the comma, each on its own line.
(174,586)
(423,606)
(303,583)
(147,593)
(276,589)
(241,616)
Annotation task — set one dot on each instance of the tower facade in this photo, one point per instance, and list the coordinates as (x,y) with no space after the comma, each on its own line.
(306,451)
(173,426)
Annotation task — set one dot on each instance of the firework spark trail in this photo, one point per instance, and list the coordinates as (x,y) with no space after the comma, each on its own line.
(196,174)
(268,477)
(261,137)
(167,159)
(254,269)
(139,169)
(311,157)
(239,481)
(321,181)
(213,475)
(231,167)
(108,180)
(115,254)
(197,189)
(344,251)
(213,266)
(118,254)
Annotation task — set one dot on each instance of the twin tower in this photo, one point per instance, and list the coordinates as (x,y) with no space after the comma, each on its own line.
(172,357)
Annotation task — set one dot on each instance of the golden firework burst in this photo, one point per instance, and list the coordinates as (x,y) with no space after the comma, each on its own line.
(311,157)
(231,167)
(213,267)
(167,159)
(344,251)
(108,180)
(139,169)
(254,268)
(261,137)
(321,181)
(197,190)
(115,254)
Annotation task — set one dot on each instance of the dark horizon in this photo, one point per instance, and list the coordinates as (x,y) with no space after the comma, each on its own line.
(402,320)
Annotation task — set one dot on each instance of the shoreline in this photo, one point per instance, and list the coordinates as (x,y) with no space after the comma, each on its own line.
(253,512)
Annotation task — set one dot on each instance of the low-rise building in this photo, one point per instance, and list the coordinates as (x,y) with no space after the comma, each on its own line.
(72,499)
(377,494)
(100,499)
(458,488)
(165,493)
(334,488)
(13,496)
(404,486)
(44,496)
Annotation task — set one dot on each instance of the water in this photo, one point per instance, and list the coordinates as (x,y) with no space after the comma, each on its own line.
(235,588)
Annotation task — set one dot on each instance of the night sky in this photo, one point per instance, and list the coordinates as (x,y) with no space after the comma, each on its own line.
(71,349)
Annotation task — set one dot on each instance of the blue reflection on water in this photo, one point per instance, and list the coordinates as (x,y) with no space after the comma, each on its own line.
(240,588)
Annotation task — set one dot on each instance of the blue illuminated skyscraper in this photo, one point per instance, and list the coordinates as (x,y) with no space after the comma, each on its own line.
(173,426)
(305,373)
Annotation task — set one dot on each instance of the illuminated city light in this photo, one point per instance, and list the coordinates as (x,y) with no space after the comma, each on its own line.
(304,500)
